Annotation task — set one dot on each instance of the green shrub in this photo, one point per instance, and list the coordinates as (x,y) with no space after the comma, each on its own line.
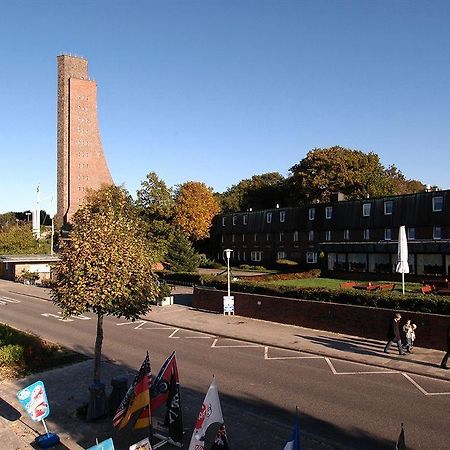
(245,267)
(259,268)
(11,355)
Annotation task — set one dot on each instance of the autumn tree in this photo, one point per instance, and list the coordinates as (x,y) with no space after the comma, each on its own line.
(327,170)
(258,192)
(156,203)
(18,239)
(401,184)
(195,207)
(105,267)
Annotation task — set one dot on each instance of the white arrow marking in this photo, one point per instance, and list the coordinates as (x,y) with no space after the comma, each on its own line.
(56,317)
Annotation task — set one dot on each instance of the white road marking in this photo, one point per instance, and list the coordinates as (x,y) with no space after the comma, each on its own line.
(4,300)
(56,317)
(421,389)
(234,346)
(205,336)
(266,356)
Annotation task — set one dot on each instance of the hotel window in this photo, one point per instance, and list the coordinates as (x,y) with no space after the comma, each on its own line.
(243,237)
(256,256)
(438,204)
(232,237)
(269,217)
(346,235)
(388,208)
(366,209)
(223,221)
(311,257)
(255,237)
(281,236)
(243,255)
(238,255)
(411,234)
(295,238)
(311,235)
(312,213)
(437,232)
(366,234)
(388,234)
(282,216)
(281,255)
(328,235)
(267,236)
(245,219)
(234,220)
(328,212)
(222,239)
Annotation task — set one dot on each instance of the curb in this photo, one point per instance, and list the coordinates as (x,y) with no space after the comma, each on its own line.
(309,352)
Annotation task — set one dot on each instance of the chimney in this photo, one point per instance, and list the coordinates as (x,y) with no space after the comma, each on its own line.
(337,197)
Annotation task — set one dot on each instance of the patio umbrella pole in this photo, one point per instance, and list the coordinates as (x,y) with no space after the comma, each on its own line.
(403,283)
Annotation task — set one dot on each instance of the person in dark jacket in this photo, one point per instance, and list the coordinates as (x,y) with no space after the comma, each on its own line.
(393,335)
(444,363)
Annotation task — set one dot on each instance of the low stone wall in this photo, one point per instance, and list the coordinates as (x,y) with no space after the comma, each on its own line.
(347,319)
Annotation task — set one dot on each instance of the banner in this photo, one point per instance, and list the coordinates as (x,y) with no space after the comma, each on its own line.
(34,400)
(142,445)
(210,412)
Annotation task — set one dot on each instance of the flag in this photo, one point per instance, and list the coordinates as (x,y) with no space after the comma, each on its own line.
(166,390)
(210,413)
(401,445)
(294,441)
(137,398)
(221,441)
(161,385)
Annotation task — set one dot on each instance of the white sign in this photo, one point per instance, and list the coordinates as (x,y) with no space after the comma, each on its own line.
(228,304)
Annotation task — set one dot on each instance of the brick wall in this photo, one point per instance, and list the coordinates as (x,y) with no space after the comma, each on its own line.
(347,319)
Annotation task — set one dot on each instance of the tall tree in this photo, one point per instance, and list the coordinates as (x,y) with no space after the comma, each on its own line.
(156,202)
(195,207)
(105,267)
(401,184)
(258,192)
(181,254)
(327,170)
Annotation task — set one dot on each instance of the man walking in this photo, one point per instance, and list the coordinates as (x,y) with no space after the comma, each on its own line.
(393,335)
(444,363)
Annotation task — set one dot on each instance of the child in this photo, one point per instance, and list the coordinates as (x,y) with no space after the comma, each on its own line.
(409,329)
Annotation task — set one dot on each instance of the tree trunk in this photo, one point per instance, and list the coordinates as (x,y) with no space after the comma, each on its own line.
(98,348)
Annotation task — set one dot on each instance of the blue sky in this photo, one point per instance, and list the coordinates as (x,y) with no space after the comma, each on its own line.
(217,91)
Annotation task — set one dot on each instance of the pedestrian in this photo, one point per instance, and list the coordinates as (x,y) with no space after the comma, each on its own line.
(444,363)
(393,335)
(409,330)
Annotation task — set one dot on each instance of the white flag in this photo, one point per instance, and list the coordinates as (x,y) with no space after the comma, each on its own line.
(210,413)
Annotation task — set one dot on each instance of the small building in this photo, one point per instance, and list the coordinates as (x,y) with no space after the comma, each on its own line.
(13,267)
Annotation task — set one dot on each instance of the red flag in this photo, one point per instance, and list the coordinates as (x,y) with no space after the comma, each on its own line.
(161,385)
(137,398)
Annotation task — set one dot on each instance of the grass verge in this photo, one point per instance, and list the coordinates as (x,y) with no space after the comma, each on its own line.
(22,354)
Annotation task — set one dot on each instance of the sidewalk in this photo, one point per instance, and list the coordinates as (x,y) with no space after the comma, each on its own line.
(17,432)
(422,361)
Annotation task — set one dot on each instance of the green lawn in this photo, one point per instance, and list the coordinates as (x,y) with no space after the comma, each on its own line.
(332,283)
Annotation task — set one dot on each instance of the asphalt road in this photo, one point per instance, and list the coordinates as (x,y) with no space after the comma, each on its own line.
(258,395)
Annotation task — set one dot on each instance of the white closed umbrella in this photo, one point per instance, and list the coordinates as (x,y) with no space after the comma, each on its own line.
(402,255)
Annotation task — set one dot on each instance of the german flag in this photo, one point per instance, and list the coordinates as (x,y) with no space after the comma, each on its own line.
(137,398)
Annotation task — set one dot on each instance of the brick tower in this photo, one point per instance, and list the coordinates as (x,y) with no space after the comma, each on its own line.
(81,163)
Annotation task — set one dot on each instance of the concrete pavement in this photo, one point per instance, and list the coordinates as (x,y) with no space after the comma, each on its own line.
(17,432)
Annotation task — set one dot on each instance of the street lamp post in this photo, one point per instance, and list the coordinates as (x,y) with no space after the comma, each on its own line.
(228,254)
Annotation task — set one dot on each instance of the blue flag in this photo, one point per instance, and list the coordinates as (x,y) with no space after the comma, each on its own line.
(294,441)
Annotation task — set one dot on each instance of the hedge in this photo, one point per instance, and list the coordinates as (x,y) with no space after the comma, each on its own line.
(427,303)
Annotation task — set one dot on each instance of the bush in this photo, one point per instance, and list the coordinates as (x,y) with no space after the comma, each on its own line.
(11,355)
